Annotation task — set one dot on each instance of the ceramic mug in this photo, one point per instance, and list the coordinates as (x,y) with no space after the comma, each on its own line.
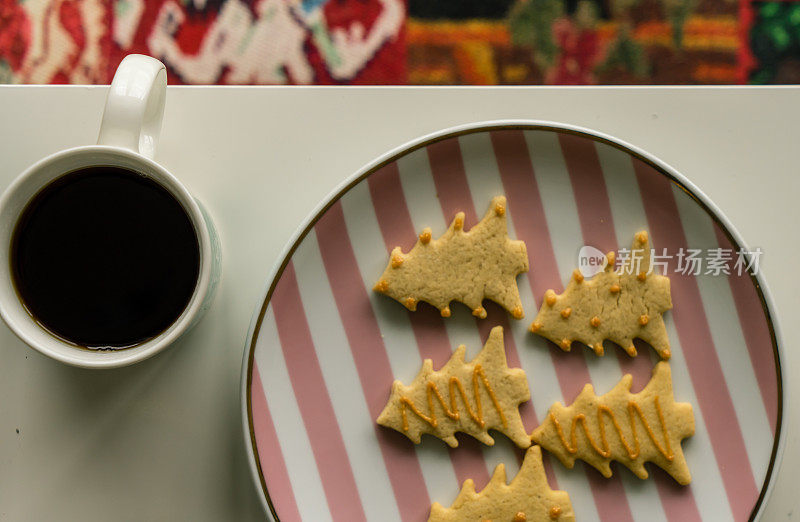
(128,137)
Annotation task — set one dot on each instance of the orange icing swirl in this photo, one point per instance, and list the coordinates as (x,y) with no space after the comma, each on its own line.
(455,385)
(604,450)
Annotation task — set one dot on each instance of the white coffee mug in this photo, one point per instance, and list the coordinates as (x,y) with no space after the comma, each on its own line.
(128,138)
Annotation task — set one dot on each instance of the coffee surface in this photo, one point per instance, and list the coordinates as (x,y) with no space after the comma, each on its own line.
(105,258)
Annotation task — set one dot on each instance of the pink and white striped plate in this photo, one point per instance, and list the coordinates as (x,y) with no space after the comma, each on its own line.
(324,349)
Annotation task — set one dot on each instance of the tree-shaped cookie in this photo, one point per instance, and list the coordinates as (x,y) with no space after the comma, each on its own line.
(527,499)
(460,266)
(630,428)
(472,397)
(616,305)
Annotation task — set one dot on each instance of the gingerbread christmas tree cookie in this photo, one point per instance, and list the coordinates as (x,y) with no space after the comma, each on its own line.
(469,267)
(471,397)
(527,499)
(630,428)
(618,305)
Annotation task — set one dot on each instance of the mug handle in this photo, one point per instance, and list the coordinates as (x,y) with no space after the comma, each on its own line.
(135,105)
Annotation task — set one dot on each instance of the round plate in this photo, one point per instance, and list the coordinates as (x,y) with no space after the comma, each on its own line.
(324,349)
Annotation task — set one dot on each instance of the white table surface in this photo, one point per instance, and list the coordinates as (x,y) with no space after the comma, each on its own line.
(162,440)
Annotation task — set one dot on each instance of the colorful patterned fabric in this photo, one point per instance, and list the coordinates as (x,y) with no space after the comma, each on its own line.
(425,42)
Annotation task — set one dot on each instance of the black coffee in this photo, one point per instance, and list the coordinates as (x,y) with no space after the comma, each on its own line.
(105,258)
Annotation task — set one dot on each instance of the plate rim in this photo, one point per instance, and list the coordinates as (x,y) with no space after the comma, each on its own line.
(767,302)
